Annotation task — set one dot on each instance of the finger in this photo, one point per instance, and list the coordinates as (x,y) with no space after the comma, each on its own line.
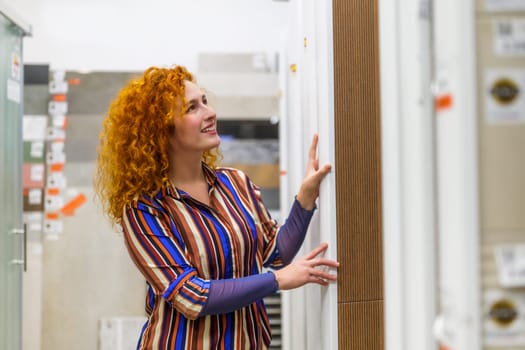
(313,278)
(315,164)
(321,173)
(321,248)
(324,262)
(326,169)
(316,251)
(313,147)
(320,282)
(320,274)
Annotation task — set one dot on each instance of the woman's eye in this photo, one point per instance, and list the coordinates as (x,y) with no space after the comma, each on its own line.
(205,100)
(190,108)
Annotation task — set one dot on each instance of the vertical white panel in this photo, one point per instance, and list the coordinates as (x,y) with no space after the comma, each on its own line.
(458,174)
(327,201)
(417,162)
(290,135)
(284,185)
(391,175)
(309,99)
(408,176)
(310,120)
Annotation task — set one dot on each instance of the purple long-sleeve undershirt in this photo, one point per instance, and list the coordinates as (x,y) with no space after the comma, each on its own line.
(227,295)
(291,234)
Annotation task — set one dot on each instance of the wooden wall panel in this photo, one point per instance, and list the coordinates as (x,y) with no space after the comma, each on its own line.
(358,174)
(363,327)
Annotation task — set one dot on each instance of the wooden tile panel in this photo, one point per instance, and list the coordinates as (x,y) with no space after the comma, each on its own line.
(364,326)
(358,174)
(358,158)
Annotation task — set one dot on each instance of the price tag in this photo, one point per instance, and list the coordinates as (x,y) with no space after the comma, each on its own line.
(503,318)
(504,100)
(33,221)
(36,172)
(53,227)
(53,203)
(58,87)
(56,157)
(34,196)
(55,134)
(37,149)
(510,260)
(509,37)
(57,108)
(56,180)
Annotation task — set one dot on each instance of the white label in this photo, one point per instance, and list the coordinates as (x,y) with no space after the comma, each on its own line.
(510,260)
(53,203)
(53,227)
(57,146)
(55,134)
(509,37)
(34,127)
(504,318)
(34,197)
(59,75)
(504,95)
(56,180)
(504,5)
(57,107)
(13,91)
(58,87)
(56,157)
(37,149)
(36,172)
(33,220)
(59,121)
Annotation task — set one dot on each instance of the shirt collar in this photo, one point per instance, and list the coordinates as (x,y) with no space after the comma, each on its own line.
(171,190)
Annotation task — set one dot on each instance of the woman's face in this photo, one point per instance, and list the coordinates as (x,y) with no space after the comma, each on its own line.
(196,129)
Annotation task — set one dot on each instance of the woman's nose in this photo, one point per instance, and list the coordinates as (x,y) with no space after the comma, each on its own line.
(210,112)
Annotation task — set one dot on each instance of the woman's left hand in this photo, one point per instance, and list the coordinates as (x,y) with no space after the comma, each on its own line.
(313,177)
(311,268)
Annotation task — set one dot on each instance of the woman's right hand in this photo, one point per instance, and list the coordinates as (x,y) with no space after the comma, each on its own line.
(304,270)
(314,175)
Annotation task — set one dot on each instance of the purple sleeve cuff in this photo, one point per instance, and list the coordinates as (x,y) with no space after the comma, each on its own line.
(292,232)
(231,294)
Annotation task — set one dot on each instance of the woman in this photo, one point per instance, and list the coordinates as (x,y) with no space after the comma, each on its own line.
(200,234)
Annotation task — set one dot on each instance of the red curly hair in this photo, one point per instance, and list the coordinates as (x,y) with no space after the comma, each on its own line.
(133,150)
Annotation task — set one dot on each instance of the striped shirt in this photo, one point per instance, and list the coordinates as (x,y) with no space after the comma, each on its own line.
(179,244)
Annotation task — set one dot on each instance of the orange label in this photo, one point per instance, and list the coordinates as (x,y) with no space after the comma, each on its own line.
(74,81)
(53,191)
(52,216)
(59,97)
(57,167)
(443,102)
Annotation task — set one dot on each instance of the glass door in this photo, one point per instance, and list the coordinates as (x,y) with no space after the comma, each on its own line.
(12,235)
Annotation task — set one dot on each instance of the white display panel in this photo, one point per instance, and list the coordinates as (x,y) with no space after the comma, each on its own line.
(310,313)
